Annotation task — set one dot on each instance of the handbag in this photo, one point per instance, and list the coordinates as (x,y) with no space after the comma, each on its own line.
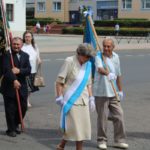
(39,79)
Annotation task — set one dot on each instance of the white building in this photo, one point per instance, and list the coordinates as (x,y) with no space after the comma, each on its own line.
(16,14)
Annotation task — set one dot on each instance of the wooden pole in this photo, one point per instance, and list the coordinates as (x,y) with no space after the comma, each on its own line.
(18,100)
(99,48)
(12,61)
(5,25)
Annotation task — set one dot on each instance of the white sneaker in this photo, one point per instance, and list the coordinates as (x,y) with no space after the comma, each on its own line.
(102,145)
(121,145)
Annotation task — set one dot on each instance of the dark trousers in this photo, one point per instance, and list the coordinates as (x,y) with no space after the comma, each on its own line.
(11,111)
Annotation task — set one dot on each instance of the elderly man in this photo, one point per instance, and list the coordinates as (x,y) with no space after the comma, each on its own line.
(107,71)
(15,78)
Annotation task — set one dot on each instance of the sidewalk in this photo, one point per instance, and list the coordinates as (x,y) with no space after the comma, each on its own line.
(68,43)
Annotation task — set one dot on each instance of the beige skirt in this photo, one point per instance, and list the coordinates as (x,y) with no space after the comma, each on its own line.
(78,124)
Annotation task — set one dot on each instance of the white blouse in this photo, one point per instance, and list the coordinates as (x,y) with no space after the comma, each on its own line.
(33,56)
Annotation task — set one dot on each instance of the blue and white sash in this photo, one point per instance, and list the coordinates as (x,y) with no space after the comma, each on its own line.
(74,92)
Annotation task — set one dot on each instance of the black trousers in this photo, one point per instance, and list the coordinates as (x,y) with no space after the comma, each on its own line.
(11,111)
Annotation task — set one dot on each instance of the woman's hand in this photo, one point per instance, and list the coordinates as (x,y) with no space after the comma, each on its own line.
(92,103)
(39,61)
(59,100)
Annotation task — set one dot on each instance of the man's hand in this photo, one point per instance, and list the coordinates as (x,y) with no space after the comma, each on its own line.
(17,84)
(15,70)
(120,94)
(60,101)
(92,103)
(112,76)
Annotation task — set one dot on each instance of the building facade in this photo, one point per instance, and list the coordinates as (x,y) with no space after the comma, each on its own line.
(134,9)
(15,11)
(70,10)
(76,7)
(64,10)
(58,9)
(106,9)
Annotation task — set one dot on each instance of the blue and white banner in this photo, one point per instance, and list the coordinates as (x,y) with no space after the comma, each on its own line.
(74,92)
(88,33)
(90,38)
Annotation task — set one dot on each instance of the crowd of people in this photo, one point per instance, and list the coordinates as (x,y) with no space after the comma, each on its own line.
(46,28)
(76,93)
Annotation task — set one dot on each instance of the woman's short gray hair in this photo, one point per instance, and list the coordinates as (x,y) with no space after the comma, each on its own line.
(85,49)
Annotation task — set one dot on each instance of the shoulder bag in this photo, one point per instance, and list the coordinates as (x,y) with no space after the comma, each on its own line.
(39,79)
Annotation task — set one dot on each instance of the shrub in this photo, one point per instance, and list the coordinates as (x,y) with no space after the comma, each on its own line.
(109,31)
(43,21)
(73,30)
(123,23)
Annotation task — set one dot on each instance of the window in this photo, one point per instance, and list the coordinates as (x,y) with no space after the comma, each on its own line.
(145,4)
(10,12)
(41,6)
(126,4)
(107,4)
(73,1)
(57,6)
(87,0)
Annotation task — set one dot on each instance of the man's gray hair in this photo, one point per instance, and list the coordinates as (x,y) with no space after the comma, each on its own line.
(85,49)
(17,38)
(109,39)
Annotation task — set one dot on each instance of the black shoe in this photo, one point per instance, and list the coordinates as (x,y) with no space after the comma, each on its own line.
(11,133)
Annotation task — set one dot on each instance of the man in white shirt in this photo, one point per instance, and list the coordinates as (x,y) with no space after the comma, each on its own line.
(38,26)
(117,29)
(105,97)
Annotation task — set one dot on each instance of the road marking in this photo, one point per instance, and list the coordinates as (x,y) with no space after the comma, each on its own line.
(129,55)
(141,55)
(60,59)
(45,60)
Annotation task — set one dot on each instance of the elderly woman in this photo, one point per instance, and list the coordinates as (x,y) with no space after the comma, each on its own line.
(74,95)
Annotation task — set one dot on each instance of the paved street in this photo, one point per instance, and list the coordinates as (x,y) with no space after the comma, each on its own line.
(68,43)
(42,120)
